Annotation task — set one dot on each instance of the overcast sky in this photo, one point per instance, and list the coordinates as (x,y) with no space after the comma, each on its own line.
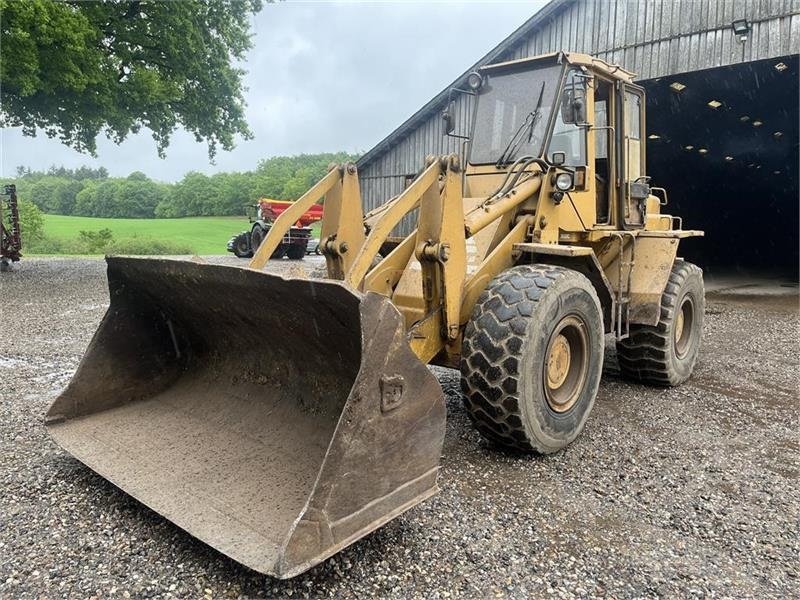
(322,77)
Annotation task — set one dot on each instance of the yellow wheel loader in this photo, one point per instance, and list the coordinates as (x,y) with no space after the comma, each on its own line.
(542,237)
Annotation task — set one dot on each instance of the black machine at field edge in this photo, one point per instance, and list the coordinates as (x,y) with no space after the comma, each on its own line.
(295,242)
(10,239)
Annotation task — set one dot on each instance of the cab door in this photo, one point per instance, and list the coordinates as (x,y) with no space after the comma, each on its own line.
(633,188)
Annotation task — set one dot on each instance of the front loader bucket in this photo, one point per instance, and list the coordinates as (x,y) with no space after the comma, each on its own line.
(277,420)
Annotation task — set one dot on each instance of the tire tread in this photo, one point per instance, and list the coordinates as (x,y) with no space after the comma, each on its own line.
(644,355)
(490,352)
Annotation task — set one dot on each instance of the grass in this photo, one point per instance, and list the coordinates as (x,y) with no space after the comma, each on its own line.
(198,235)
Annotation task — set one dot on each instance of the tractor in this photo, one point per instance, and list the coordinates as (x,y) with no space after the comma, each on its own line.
(295,241)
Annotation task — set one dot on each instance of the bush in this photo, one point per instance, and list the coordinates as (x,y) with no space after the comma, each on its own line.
(96,241)
(46,245)
(89,244)
(31,222)
(147,246)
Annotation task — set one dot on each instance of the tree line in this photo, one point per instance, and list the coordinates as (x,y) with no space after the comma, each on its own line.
(91,192)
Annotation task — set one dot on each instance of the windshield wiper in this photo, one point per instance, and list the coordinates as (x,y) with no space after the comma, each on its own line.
(527,128)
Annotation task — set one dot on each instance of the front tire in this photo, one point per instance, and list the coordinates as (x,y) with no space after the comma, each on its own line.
(665,354)
(257,235)
(532,357)
(241,246)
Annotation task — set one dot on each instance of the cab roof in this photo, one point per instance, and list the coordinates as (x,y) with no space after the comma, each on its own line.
(598,65)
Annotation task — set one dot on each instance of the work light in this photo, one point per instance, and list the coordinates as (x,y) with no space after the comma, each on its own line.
(475,81)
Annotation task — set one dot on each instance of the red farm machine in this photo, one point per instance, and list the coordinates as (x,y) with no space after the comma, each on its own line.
(296,240)
(10,240)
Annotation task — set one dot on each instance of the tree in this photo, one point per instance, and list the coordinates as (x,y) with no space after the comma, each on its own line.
(235,193)
(81,67)
(85,172)
(288,177)
(194,195)
(65,197)
(137,198)
(97,199)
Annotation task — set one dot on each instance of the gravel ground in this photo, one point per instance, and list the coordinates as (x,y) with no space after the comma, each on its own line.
(684,492)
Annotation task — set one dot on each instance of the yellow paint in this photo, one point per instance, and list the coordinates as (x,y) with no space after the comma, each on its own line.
(466,235)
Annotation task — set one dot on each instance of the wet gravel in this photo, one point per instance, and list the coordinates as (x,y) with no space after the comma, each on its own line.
(683,492)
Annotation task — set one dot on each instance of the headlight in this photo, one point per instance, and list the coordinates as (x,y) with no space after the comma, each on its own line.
(563,182)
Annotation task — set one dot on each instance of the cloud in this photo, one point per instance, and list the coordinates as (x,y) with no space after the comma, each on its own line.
(321,77)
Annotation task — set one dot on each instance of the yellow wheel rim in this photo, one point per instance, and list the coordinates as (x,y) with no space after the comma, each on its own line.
(558,362)
(684,321)
(566,363)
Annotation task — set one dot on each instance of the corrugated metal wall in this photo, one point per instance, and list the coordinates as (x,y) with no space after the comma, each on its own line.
(652,37)
(662,37)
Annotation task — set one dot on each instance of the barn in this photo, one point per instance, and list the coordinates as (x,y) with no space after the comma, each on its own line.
(721,78)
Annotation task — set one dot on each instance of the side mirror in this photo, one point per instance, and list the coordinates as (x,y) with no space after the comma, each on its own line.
(573,104)
(558,158)
(448,120)
(449,114)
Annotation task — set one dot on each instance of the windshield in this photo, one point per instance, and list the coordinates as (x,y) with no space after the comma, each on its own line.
(507,122)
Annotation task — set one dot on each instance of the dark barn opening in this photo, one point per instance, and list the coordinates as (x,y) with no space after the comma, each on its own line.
(724,142)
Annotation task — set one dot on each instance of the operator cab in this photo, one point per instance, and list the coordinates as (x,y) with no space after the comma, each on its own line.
(568,113)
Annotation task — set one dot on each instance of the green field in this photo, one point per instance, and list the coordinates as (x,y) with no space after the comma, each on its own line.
(204,235)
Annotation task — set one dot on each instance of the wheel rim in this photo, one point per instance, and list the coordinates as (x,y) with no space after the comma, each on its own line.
(566,363)
(683,327)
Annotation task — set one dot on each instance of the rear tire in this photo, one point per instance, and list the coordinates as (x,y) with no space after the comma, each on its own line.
(257,236)
(532,357)
(665,354)
(295,252)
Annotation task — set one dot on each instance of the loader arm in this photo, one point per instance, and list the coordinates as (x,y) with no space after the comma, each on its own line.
(388,220)
(426,274)
(441,249)
(342,233)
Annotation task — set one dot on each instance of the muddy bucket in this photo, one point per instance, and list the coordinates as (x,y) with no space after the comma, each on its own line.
(277,420)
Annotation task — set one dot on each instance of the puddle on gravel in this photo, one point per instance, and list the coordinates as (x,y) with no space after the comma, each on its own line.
(60,378)
(92,306)
(7,362)
(88,307)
